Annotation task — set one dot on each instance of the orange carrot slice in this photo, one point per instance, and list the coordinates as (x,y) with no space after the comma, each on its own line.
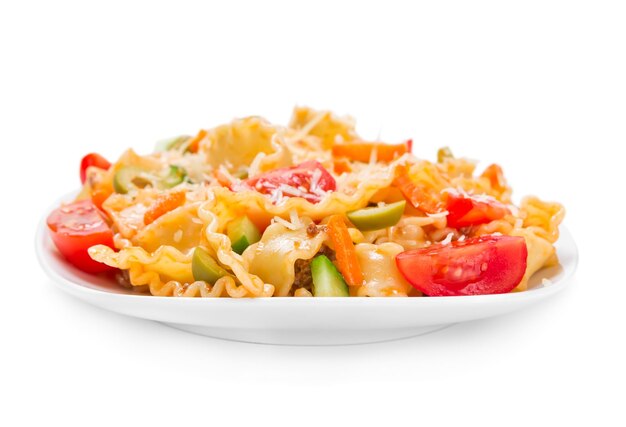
(194,144)
(100,193)
(163,204)
(347,260)
(341,166)
(495,175)
(420,196)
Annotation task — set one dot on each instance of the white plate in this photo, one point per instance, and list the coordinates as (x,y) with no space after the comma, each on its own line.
(302,321)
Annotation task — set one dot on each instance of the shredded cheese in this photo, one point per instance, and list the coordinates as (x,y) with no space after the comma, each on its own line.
(438,215)
(373,156)
(448,239)
(284,223)
(295,219)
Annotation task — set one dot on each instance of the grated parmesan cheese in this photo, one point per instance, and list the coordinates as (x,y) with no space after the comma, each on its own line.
(223,171)
(295,219)
(546,282)
(460,192)
(448,239)
(284,223)
(291,190)
(438,214)
(374,156)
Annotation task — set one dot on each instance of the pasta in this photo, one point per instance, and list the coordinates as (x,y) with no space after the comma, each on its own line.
(253,209)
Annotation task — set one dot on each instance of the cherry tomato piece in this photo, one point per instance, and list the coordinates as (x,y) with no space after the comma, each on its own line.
(92,159)
(491,264)
(76,227)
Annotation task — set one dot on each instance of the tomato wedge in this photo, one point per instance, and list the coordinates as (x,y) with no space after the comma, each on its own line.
(492,264)
(465,210)
(308,180)
(92,159)
(76,227)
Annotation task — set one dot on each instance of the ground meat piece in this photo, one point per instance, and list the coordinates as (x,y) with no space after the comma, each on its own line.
(303,279)
(325,250)
(313,229)
(302,269)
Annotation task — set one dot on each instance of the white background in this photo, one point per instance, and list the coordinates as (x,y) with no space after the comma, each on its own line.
(537,86)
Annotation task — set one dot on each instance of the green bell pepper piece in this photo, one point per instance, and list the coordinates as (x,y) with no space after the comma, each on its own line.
(327,281)
(242,233)
(205,268)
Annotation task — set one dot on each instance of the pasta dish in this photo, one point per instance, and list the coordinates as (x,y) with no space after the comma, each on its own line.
(253,209)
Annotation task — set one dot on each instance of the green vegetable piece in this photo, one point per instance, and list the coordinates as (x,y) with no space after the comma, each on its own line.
(170,143)
(443,154)
(242,233)
(129,178)
(327,281)
(205,268)
(175,176)
(377,217)
(241,174)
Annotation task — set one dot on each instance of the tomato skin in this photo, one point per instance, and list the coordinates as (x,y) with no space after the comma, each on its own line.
(466,210)
(92,159)
(295,176)
(75,228)
(478,266)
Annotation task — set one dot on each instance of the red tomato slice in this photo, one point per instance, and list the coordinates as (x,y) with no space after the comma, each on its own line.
(308,180)
(477,266)
(465,210)
(92,159)
(77,227)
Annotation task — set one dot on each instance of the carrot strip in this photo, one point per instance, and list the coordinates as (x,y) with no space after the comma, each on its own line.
(164,204)
(100,193)
(495,175)
(361,151)
(341,166)
(194,144)
(419,196)
(347,260)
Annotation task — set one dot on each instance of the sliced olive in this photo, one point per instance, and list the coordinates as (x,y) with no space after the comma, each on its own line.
(175,176)
(170,143)
(377,217)
(129,178)
(443,154)
(204,267)
(242,233)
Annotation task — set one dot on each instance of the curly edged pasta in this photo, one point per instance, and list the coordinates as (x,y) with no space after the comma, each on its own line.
(253,209)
